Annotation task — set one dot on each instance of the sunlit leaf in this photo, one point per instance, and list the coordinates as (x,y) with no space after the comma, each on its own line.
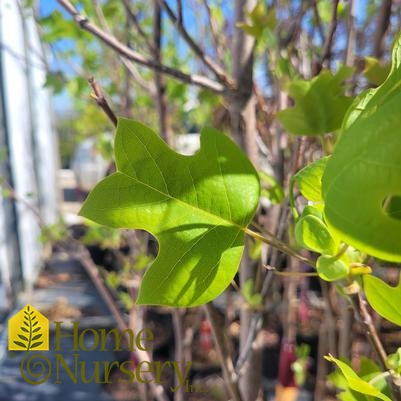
(196,206)
(320,104)
(330,268)
(311,233)
(362,180)
(378,294)
(355,382)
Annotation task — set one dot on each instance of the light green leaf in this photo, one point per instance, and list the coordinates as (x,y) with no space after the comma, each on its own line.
(320,104)
(368,102)
(355,382)
(368,371)
(271,188)
(375,72)
(378,294)
(331,269)
(362,181)
(309,179)
(252,298)
(196,206)
(312,233)
(259,20)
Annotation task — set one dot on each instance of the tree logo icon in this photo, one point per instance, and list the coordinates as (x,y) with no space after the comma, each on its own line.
(28,330)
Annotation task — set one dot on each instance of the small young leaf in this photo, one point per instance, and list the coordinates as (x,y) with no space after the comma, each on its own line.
(20,344)
(271,188)
(330,269)
(22,337)
(24,330)
(311,233)
(378,294)
(309,179)
(36,330)
(320,104)
(355,382)
(34,324)
(36,344)
(375,72)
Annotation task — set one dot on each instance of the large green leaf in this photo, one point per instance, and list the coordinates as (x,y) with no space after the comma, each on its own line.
(196,206)
(379,294)
(320,104)
(362,181)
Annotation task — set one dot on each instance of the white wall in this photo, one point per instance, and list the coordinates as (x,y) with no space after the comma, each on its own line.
(32,144)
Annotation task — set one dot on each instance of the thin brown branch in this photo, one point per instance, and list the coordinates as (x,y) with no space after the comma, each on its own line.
(21,200)
(179,11)
(160,87)
(383,22)
(318,21)
(122,326)
(229,375)
(213,30)
(101,100)
(132,55)
(220,74)
(327,47)
(133,18)
(351,37)
(129,65)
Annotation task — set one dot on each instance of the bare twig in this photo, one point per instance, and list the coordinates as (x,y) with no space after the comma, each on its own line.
(213,30)
(129,65)
(160,87)
(101,100)
(383,22)
(93,273)
(135,22)
(21,200)
(220,74)
(351,37)
(318,21)
(132,55)
(229,374)
(330,35)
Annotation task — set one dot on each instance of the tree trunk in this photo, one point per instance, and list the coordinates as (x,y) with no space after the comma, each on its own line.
(241,103)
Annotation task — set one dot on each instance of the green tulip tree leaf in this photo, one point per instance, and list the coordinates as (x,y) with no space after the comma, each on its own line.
(356,383)
(375,72)
(362,181)
(368,371)
(309,179)
(311,233)
(196,206)
(379,294)
(320,104)
(331,268)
